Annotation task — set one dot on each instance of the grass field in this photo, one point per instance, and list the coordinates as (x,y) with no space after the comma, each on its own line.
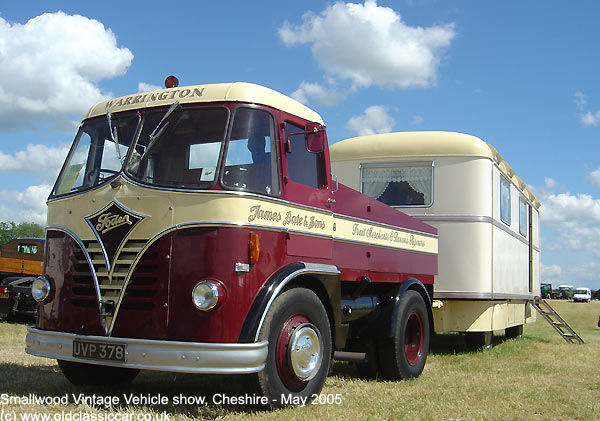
(536,377)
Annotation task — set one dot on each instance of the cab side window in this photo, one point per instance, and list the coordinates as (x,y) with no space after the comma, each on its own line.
(304,167)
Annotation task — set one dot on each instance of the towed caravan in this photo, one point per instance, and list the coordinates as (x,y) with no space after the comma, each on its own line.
(487,220)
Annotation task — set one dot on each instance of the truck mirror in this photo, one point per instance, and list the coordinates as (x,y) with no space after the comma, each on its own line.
(314,138)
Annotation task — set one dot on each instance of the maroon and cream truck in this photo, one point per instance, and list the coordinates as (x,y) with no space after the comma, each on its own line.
(198,229)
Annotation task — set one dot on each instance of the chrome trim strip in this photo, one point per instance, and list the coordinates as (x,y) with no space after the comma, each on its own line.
(174,356)
(453,218)
(309,268)
(467,295)
(91,265)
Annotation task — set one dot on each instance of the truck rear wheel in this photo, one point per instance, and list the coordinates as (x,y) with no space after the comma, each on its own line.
(299,335)
(403,356)
(82,374)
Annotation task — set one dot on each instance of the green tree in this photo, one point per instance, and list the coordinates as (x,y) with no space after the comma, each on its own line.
(10,231)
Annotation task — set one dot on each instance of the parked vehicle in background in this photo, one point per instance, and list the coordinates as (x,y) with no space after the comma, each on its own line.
(565,292)
(546,291)
(21,261)
(583,295)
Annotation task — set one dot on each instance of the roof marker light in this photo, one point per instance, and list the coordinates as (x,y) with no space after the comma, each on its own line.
(171,82)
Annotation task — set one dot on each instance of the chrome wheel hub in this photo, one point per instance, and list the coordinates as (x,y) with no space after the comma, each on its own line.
(305,351)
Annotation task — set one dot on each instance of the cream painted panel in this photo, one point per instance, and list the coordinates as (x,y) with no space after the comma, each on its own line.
(511,264)
(465,258)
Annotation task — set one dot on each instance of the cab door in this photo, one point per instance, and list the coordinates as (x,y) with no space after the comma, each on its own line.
(306,182)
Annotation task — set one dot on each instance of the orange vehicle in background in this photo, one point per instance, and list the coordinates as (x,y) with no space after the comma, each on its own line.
(21,260)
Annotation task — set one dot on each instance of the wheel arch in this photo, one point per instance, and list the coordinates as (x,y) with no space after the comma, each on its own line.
(410,284)
(323,280)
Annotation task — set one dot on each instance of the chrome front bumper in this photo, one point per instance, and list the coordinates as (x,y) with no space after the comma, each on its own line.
(184,357)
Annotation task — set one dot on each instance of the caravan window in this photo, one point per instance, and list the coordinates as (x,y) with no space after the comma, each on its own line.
(505,200)
(523,212)
(399,184)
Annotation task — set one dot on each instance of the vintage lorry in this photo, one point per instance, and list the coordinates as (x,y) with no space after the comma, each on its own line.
(487,219)
(21,261)
(198,229)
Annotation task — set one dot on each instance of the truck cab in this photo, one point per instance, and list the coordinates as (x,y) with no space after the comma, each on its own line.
(198,229)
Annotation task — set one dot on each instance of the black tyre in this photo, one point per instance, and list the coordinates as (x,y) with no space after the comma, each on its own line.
(299,335)
(513,332)
(82,374)
(480,340)
(404,355)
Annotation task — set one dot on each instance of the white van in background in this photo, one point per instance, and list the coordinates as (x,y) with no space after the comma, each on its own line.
(582,294)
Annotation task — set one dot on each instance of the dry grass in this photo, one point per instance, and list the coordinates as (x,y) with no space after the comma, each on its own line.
(536,377)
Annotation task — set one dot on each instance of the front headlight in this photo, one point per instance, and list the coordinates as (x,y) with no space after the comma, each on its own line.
(205,295)
(40,289)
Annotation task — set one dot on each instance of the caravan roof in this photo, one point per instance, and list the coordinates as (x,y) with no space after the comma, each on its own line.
(389,146)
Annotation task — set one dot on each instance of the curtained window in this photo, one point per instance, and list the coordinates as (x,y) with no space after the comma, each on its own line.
(401,184)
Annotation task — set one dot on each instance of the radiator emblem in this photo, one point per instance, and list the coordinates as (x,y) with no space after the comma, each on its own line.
(112,225)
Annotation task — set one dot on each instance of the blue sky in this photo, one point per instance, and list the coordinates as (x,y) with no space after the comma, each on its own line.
(522,76)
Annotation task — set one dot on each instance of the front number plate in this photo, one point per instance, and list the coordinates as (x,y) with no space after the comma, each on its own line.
(99,350)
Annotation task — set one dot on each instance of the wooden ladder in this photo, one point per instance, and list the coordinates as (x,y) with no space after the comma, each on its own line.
(556,321)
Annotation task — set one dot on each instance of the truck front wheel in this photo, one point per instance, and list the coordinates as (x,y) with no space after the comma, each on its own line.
(299,335)
(403,356)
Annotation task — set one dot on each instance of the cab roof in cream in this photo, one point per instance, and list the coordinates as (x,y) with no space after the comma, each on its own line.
(390,146)
(235,92)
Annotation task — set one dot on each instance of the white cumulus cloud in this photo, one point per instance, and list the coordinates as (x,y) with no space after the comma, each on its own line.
(580,100)
(594,177)
(575,218)
(45,161)
(26,206)
(50,67)
(370,45)
(590,119)
(323,95)
(375,119)
(147,87)
(551,271)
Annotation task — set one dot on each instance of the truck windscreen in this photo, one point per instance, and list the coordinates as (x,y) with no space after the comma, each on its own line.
(180,149)
(95,157)
(185,154)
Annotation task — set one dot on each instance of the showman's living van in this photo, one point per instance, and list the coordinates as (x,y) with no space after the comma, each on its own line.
(487,220)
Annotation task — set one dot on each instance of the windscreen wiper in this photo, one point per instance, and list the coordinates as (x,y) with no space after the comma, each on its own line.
(157,132)
(114,136)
